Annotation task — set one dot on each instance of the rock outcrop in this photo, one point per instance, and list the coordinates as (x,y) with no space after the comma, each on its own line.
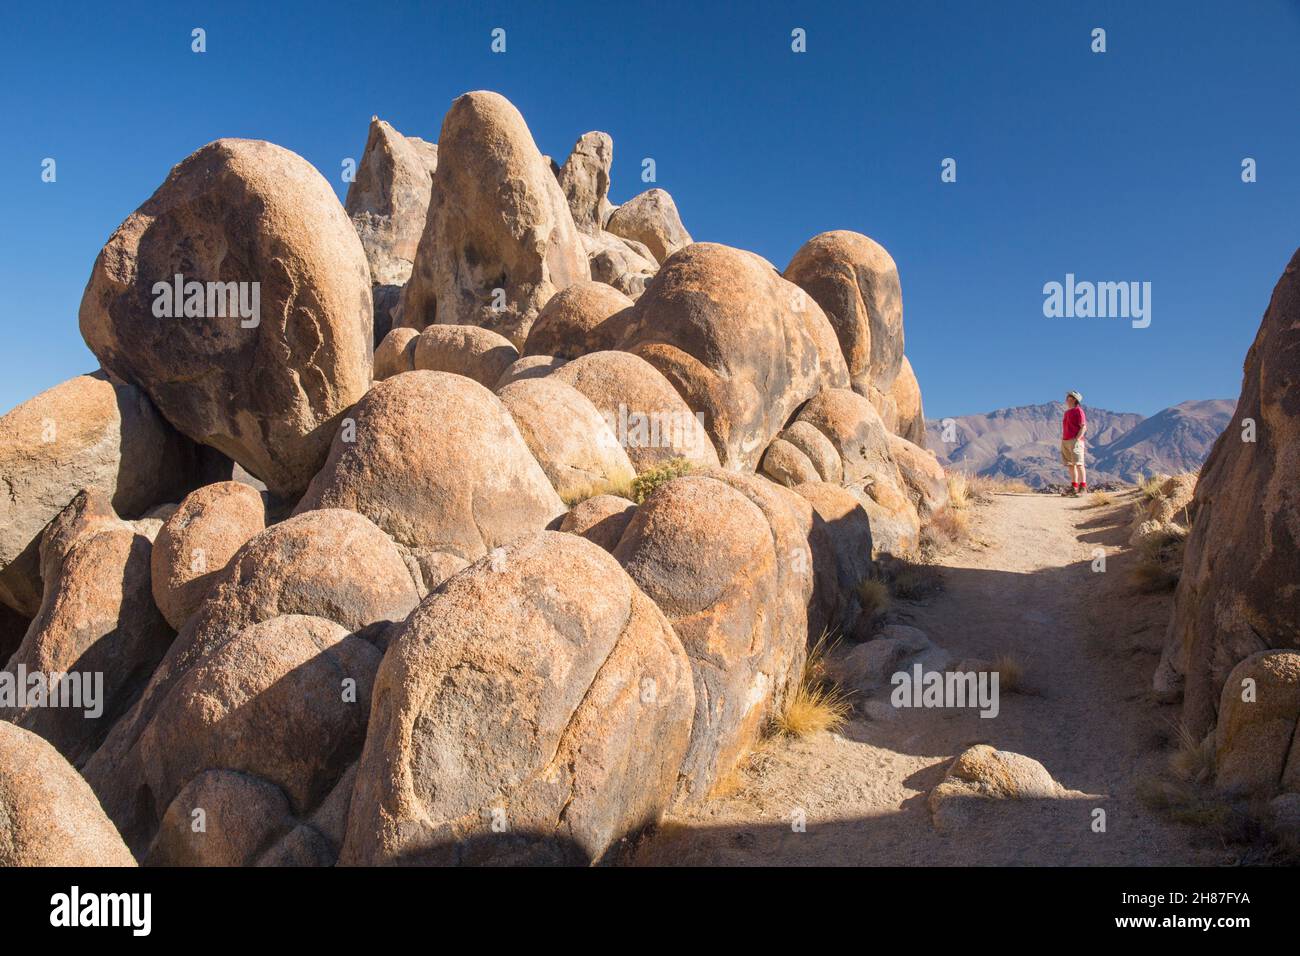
(464,350)
(98,629)
(1238,593)
(1255,742)
(573,323)
(86,434)
(499,240)
(48,815)
(650,420)
(547,747)
(855,282)
(388,202)
(331,564)
(270,338)
(739,343)
(584,177)
(198,541)
(723,569)
(652,220)
(983,774)
(575,446)
(437,462)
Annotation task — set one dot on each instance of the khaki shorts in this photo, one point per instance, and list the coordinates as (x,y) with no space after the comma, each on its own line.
(1072,451)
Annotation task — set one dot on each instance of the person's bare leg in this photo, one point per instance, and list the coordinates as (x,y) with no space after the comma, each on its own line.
(1083,473)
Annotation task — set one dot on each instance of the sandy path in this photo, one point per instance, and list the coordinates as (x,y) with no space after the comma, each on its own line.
(1088,644)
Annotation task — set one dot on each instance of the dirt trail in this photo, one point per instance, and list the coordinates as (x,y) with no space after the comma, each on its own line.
(1022,586)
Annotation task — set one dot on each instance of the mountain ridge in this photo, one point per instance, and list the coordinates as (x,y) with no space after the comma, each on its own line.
(1022,441)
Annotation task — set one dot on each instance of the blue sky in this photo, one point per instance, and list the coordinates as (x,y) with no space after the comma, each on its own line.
(1122,166)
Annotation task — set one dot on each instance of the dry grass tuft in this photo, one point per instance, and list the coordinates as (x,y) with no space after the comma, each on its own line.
(874,596)
(1194,760)
(943,530)
(818,703)
(580,493)
(1011,674)
(958,490)
(1150,487)
(646,482)
(1099,499)
(984,488)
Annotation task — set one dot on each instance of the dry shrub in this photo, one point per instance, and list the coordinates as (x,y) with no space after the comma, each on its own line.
(1099,499)
(944,529)
(912,582)
(1160,560)
(873,596)
(646,482)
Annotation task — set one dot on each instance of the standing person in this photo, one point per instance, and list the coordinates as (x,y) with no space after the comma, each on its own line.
(1073,427)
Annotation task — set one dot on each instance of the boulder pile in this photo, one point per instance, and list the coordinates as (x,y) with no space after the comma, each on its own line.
(480,521)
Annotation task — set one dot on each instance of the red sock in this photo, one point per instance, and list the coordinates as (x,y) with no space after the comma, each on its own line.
(1082,485)
(1074,484)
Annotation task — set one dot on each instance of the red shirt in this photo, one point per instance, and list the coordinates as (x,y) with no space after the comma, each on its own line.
(1073,423)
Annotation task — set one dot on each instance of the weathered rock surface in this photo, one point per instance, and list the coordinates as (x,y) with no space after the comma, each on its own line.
(983,774)
(650,420)
(396,353)
(544,748)
(332,564)
(651,218)
(499,240)
(924,480)
(286,700)
(601,519)
(266,390)
(242,815)
(853,426)
(197,542)
(848,534)
(464,350)
(855,281)
(1255,741)
(722,568)
(722,326)
(625,264)
(438,463)
(97,624)
(1238,593)
(905,395)
(48,815)
(575,446)
(86,433)
(388,202)
(529,366)
(584,177)
(570,324)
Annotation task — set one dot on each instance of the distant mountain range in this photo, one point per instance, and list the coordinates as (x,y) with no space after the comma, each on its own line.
(1024,442)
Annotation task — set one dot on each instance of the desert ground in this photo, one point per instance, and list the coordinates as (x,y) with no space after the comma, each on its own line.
(1022,585)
